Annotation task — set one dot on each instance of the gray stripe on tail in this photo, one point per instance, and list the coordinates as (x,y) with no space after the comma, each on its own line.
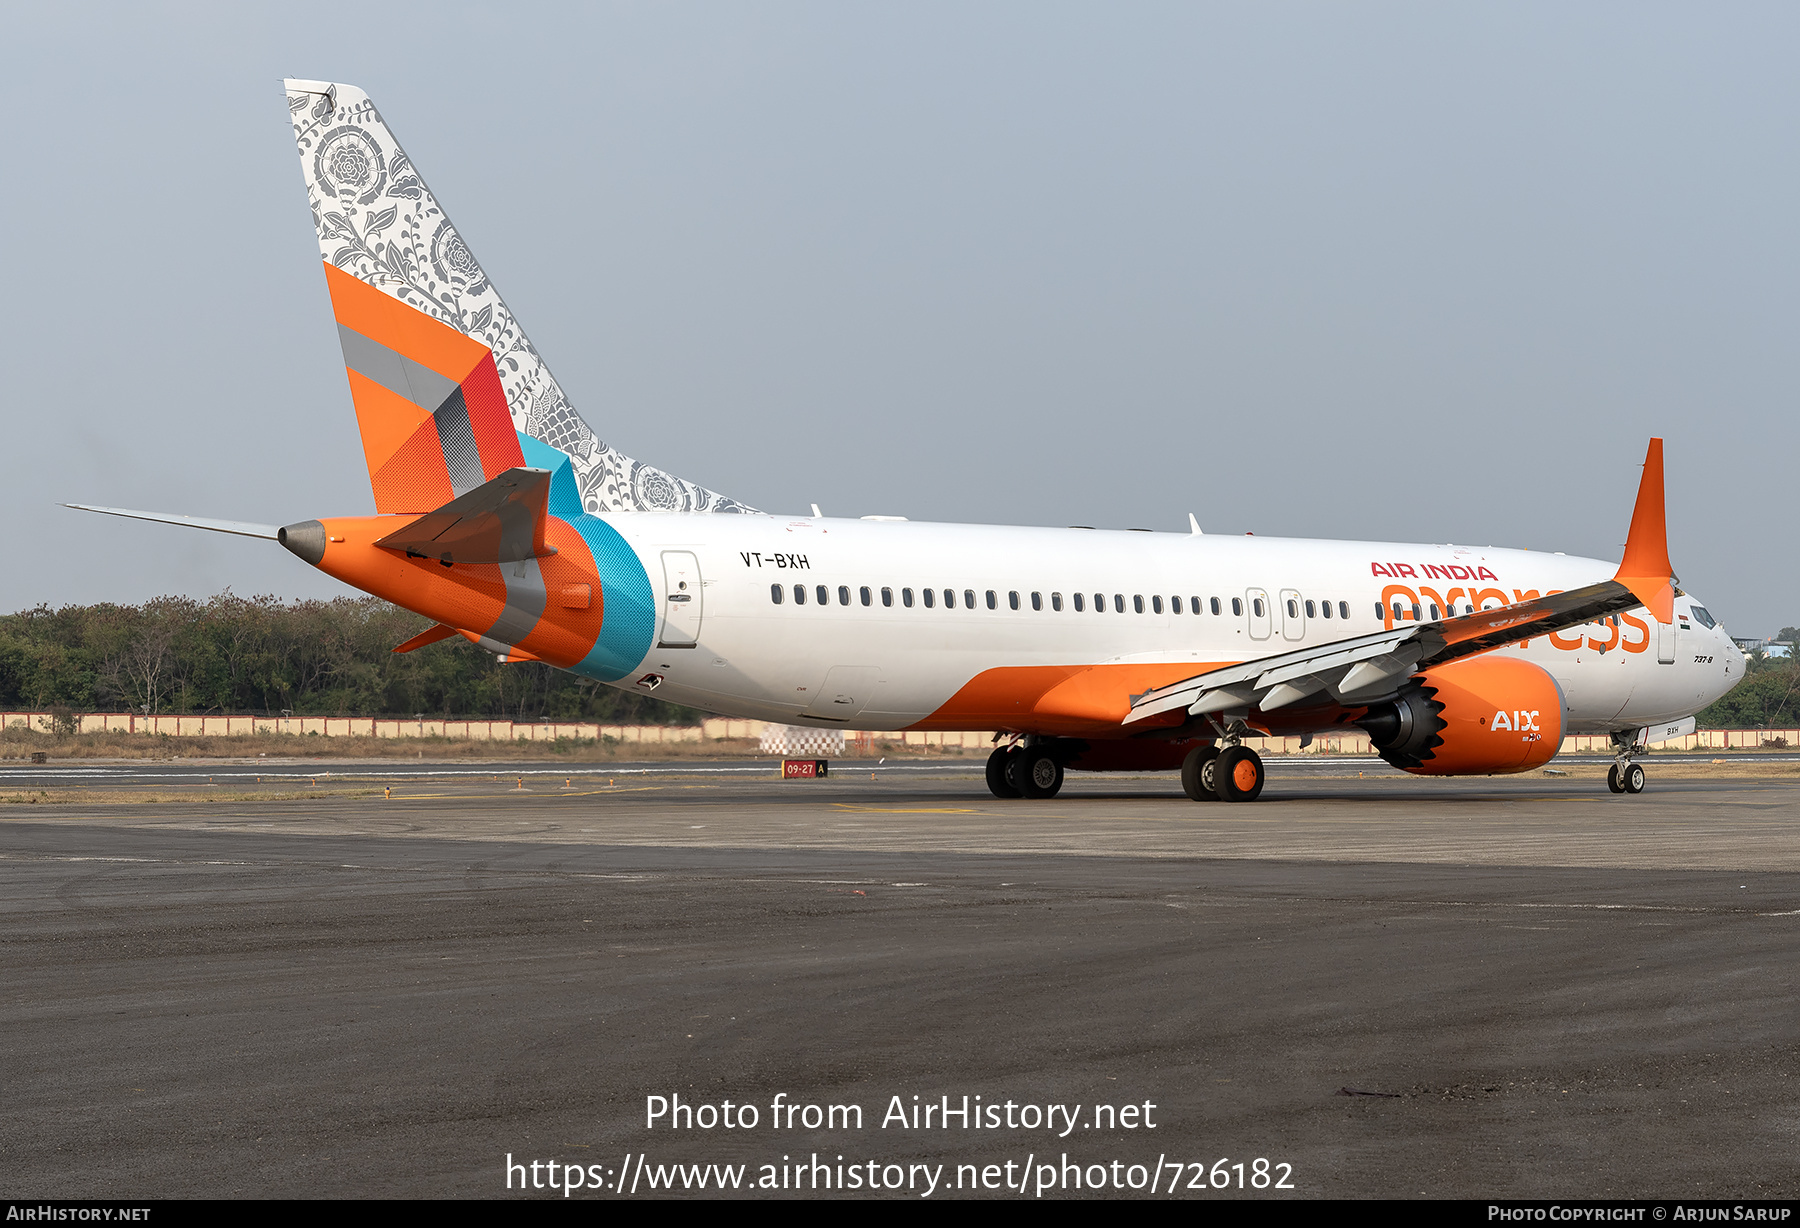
(393,370)
(462,460)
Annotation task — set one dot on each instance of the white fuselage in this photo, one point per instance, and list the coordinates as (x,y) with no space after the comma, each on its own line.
(1057,597)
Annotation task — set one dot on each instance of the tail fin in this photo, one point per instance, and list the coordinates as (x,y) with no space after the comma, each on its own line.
(443,377)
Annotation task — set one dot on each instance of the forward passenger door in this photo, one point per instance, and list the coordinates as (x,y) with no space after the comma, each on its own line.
(1256,609)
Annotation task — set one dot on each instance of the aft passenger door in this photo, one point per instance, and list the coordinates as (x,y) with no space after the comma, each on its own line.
(681,600)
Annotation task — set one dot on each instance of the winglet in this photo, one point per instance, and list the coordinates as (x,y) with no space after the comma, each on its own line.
(1645,569)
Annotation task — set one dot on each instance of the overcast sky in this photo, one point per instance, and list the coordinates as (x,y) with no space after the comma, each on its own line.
(1410,272)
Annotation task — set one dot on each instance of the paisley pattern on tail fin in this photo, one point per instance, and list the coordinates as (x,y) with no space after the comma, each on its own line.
(379,223)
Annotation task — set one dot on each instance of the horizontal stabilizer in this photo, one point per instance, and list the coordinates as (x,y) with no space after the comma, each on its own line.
(500,521)
(239,527)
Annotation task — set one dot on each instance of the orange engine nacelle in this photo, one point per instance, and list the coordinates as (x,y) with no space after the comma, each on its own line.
(1485,716)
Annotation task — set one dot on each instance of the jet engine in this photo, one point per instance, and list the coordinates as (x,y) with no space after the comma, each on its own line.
(1484,716)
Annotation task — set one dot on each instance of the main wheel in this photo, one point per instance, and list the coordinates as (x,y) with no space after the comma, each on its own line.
(1239,774)
(1197,774)
(1041,775)
(997,782)
(1015,771)
(1612,779)
(1633,778)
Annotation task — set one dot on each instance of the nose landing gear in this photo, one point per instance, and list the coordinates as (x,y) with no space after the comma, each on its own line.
(1624,776)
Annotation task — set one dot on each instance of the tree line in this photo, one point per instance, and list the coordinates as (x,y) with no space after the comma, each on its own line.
(267,656)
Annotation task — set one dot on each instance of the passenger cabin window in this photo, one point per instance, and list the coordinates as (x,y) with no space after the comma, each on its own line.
(1119,603)
(1256,603)
(949,599)
(1325,609)
(1156,605)
(887,596)
(906,597)
(1037,601)
(1099,603)
(1293,608)
(1056,602)
(844,594)
(1080,603)
(969,598)
(1215,606)
(1434,612)
(992,604)
(1175,604)
(775,593)
(1137,603)
(1237,607)
(799,594)
(824,597)
(1416,612)
(930,597)
(865,594)
(1012,599)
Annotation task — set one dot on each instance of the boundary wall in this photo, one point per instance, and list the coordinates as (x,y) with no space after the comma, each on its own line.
(719,728)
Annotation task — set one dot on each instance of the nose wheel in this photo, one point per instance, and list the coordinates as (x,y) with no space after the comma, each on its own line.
(1625,778)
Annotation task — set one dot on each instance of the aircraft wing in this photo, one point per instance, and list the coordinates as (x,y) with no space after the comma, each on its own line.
(500,521)
(1370,668)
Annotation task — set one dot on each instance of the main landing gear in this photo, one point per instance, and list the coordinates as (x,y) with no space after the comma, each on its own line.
(1624,776)
(1024,770)
(1234,774)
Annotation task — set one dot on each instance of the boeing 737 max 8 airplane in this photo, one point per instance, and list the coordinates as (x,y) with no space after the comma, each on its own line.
(505,520)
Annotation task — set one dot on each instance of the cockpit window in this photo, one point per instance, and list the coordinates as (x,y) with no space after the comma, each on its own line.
(1703,618)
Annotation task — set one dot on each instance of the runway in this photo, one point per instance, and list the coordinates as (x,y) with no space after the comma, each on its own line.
(1476,988)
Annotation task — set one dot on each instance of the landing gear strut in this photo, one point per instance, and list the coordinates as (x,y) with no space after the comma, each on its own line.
(1624,776)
